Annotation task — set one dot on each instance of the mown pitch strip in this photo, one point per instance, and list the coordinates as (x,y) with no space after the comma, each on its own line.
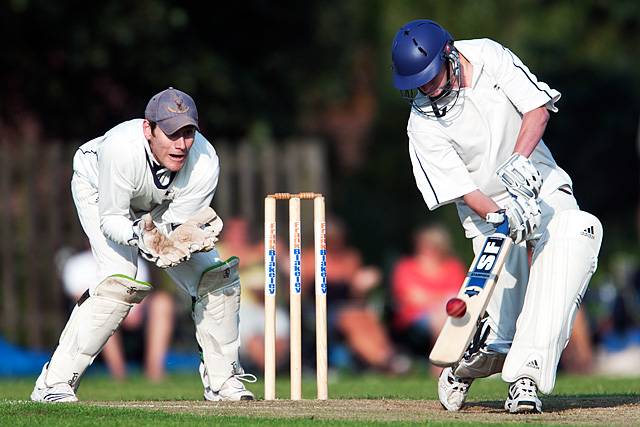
(609,411)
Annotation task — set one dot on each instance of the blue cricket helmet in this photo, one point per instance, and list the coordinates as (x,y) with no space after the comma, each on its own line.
(418,52)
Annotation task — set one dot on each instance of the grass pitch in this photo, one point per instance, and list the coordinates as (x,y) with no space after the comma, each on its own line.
(355,400)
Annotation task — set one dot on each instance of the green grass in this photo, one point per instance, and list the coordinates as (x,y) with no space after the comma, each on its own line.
(15,410)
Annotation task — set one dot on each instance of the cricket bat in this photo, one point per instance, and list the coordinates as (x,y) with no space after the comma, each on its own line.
(476,291)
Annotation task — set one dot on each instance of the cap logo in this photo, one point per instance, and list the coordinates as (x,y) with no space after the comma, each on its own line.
(179,107)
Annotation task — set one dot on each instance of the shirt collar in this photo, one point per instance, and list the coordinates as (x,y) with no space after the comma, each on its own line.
(162,177)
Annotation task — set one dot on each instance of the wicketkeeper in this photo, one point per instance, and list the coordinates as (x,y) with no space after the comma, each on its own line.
(475,139)
(146,186)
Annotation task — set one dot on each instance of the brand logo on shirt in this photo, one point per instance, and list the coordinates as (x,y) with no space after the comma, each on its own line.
(169,195)
(588,232)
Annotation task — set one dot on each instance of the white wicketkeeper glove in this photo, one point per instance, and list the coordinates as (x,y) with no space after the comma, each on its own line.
(155,247)
(200,232)
(520,176)
(523,215)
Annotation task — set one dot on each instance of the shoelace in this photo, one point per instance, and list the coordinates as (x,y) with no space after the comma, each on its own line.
(250,378)
(524,385)
(464,384)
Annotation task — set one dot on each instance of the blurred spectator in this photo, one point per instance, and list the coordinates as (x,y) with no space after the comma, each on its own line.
(424,282)
(236,241)
(356,333)
(421,285)
(619,330)
(150,322)
(578,358)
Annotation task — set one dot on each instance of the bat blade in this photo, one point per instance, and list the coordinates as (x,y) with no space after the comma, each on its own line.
(476,290)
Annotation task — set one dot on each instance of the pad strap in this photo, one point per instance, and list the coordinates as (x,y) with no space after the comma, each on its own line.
(122,288)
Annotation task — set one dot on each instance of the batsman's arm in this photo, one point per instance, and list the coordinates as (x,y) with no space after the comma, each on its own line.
(534,123)
(518,174)
(480,203)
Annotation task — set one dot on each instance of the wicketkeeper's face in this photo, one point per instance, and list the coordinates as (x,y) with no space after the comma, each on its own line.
(171,150)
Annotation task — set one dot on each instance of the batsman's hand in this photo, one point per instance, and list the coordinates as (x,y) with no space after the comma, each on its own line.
(156,247)
(200,232)
(520,177)
(523,215)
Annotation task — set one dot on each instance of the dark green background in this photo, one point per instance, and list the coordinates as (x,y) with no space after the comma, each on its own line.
(77,68)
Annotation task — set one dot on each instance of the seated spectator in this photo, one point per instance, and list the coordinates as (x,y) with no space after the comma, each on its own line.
(355,331)
(421,286)
(236,241)
(150,322)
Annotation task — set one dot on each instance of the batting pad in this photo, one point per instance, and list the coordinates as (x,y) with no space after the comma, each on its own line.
(92,322)
(215,314)
(563,263)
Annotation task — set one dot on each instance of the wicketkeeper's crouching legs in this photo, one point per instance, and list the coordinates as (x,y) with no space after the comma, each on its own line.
(93,320)
(215,313)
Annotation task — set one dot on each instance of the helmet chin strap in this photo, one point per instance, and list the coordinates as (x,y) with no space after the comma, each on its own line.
(445,92)
(453,67)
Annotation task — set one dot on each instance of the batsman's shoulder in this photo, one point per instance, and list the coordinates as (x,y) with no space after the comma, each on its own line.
(479,51)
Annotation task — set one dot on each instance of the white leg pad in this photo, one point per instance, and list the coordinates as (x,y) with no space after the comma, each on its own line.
(93,321)
(563,262)
(215,314)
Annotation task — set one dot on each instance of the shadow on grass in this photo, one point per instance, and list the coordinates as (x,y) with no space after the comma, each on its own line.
(563,403)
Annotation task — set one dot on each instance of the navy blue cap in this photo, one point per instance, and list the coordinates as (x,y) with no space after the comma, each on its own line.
(172,110)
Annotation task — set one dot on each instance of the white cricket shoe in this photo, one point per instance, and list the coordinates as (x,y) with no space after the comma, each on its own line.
(57,393)
(452,390)
(60,392)
(232,389)
(523,397)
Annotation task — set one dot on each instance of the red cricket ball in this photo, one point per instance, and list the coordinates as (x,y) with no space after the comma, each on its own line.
(456,307)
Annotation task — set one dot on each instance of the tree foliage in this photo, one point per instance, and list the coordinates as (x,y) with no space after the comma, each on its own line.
(79,67)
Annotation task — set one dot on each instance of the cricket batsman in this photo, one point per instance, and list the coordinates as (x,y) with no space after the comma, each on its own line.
(475,139)
(146,187)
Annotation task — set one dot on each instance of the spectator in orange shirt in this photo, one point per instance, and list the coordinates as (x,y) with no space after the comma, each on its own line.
(421,285)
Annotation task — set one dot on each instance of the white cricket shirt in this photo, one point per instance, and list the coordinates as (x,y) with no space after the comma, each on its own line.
(456,154)
(130,182)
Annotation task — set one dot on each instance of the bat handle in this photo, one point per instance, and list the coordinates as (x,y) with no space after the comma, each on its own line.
(503,227)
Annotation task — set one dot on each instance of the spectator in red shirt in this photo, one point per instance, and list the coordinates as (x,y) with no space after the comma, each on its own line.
(421,285)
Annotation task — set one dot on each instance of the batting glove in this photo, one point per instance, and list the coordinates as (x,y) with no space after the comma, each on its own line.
(523,215)
(520,176)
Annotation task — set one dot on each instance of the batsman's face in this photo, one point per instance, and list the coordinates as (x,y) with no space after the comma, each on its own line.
(436,85)
(170,150)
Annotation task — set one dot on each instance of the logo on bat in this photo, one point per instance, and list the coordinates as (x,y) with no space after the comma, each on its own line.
(482,270)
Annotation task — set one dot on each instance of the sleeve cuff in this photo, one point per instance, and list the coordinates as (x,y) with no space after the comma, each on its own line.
(542,100)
